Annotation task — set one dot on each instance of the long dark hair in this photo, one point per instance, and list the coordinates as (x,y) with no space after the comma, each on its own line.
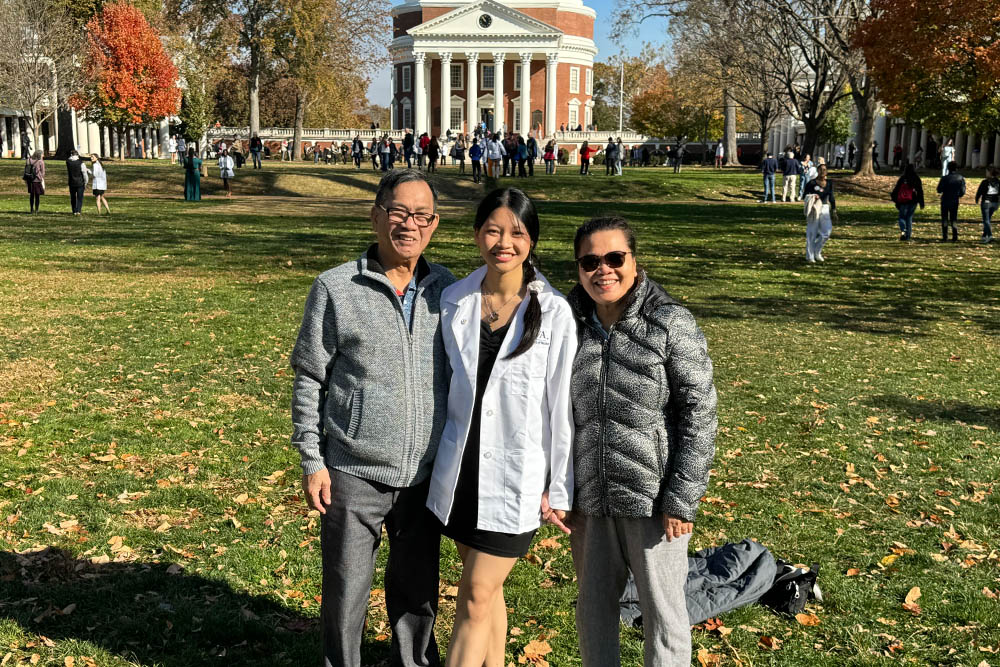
(524,210)
(910,176)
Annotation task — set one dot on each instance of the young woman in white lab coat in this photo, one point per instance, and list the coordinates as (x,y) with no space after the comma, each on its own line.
(505,458)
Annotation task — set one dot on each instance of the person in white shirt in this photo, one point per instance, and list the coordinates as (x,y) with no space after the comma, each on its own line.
(720,152)
(504,462)
(226,171)
(494,154)
(838,156)
(172,149)
(947,155)
(99,186)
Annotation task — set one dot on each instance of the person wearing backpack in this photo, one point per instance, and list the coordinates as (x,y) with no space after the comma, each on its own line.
(907,195)
(988,197)
(34,178)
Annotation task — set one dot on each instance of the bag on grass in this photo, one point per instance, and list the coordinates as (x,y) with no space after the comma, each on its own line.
(792,588)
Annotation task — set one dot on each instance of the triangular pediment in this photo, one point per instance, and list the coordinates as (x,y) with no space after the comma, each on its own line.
(485,18)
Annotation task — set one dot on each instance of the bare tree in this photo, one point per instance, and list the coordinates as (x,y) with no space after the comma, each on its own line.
(38,47)
(831,25)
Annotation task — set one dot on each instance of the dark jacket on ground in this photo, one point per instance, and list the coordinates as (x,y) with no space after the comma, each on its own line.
(951,187)
(918,193)
(74,169)
(644,408)
(769,166)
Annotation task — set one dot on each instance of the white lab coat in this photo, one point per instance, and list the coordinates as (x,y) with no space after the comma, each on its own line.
(526,432)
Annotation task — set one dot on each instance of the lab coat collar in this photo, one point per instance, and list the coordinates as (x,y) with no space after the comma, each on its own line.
(470,288)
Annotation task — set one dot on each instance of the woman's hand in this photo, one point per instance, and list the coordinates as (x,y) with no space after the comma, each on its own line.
(675,527)
(553,516)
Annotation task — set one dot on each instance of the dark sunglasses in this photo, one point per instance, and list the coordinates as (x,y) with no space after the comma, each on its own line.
(614,260)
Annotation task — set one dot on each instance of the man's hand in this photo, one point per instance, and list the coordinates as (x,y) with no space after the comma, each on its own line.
(317,489)
(553,516)
(675,527)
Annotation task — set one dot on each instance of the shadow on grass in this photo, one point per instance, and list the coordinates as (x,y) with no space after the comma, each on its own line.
(143,614)
(941,411)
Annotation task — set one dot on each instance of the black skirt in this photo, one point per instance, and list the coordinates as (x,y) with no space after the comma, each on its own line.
(464,518)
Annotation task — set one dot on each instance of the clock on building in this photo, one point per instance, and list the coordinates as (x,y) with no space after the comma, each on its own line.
(485,21)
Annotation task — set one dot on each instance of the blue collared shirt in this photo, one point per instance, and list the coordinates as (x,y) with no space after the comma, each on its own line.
(408,299)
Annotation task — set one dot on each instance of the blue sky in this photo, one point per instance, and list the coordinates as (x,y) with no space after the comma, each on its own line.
(651,31)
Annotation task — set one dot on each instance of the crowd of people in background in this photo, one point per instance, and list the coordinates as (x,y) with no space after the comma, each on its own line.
(504,154)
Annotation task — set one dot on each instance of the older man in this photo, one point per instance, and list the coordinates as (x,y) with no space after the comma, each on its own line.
(369,406)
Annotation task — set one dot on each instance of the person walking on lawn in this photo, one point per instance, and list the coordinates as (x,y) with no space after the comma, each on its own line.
(369,403)
(820,210)
(768,168)
(988,198)
(907,195)
(952,189)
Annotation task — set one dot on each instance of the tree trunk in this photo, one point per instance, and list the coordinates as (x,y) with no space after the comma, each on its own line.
(300,115)
(64,121)
(729,132)
(866,107)
(812,131)
(254,90)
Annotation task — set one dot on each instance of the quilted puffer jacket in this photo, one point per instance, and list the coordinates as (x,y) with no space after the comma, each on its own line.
(644,407)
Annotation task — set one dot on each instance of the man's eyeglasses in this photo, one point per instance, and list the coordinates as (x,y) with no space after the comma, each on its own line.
(398,215)
(614,260)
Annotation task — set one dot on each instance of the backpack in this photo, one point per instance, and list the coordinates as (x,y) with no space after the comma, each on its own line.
(905,193)
(792,588)
(29,171)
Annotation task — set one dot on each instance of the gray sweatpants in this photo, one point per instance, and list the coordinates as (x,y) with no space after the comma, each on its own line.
(351,533)
(603,551)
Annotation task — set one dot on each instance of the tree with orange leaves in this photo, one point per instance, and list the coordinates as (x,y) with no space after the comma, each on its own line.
(936,61)
(130,79)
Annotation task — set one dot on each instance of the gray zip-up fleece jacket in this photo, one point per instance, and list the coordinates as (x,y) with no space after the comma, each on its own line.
(370,396)
(644,406)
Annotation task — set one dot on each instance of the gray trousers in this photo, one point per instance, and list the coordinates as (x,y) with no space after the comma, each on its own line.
(351,533)
(604,549)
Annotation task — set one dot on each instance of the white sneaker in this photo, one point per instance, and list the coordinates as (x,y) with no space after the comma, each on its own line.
(810,260)
(819,258)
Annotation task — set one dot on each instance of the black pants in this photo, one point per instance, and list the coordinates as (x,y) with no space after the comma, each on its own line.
(507,171)
(76,198)
(34,201)
(949,217)
(477,171)
(531,166)
(520,169)
(585,166)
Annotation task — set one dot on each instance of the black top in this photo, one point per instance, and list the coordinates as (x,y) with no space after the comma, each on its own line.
(951,187)
(75,171)
(918,192)
(989,190)
(465,512)
(825,194)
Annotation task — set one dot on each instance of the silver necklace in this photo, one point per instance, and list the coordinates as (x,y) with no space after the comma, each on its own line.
(492,315)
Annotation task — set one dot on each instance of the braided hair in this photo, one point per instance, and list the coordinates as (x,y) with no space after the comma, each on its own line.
(524,210)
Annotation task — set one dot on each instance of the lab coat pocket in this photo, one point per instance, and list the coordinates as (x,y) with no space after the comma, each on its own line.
(527,372)
(514,472)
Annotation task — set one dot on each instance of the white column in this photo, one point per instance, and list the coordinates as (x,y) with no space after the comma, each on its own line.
(165,138)
(996,151)
(984,148)
(419,95)
(880,138)
(959,147)
(445,93)
(471,91)
(914,142)
(498,119)
(428,102)
(525,94)
(893,140)
(551,62)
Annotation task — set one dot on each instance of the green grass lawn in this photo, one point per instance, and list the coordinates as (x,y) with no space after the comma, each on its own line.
(150,511)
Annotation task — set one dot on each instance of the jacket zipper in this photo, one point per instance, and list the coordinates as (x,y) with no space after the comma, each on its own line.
(602,386)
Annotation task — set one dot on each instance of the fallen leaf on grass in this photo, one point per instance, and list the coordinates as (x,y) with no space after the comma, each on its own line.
(706,659)
(70,661)
(889,560)
(769,642)
(807,619)
(535,653)
(853,572)
(69,609)
(910,602)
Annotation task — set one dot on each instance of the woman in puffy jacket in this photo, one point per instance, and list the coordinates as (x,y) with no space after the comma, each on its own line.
(644,413)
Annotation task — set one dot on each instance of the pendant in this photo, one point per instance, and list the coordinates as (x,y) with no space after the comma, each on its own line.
(492,317)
